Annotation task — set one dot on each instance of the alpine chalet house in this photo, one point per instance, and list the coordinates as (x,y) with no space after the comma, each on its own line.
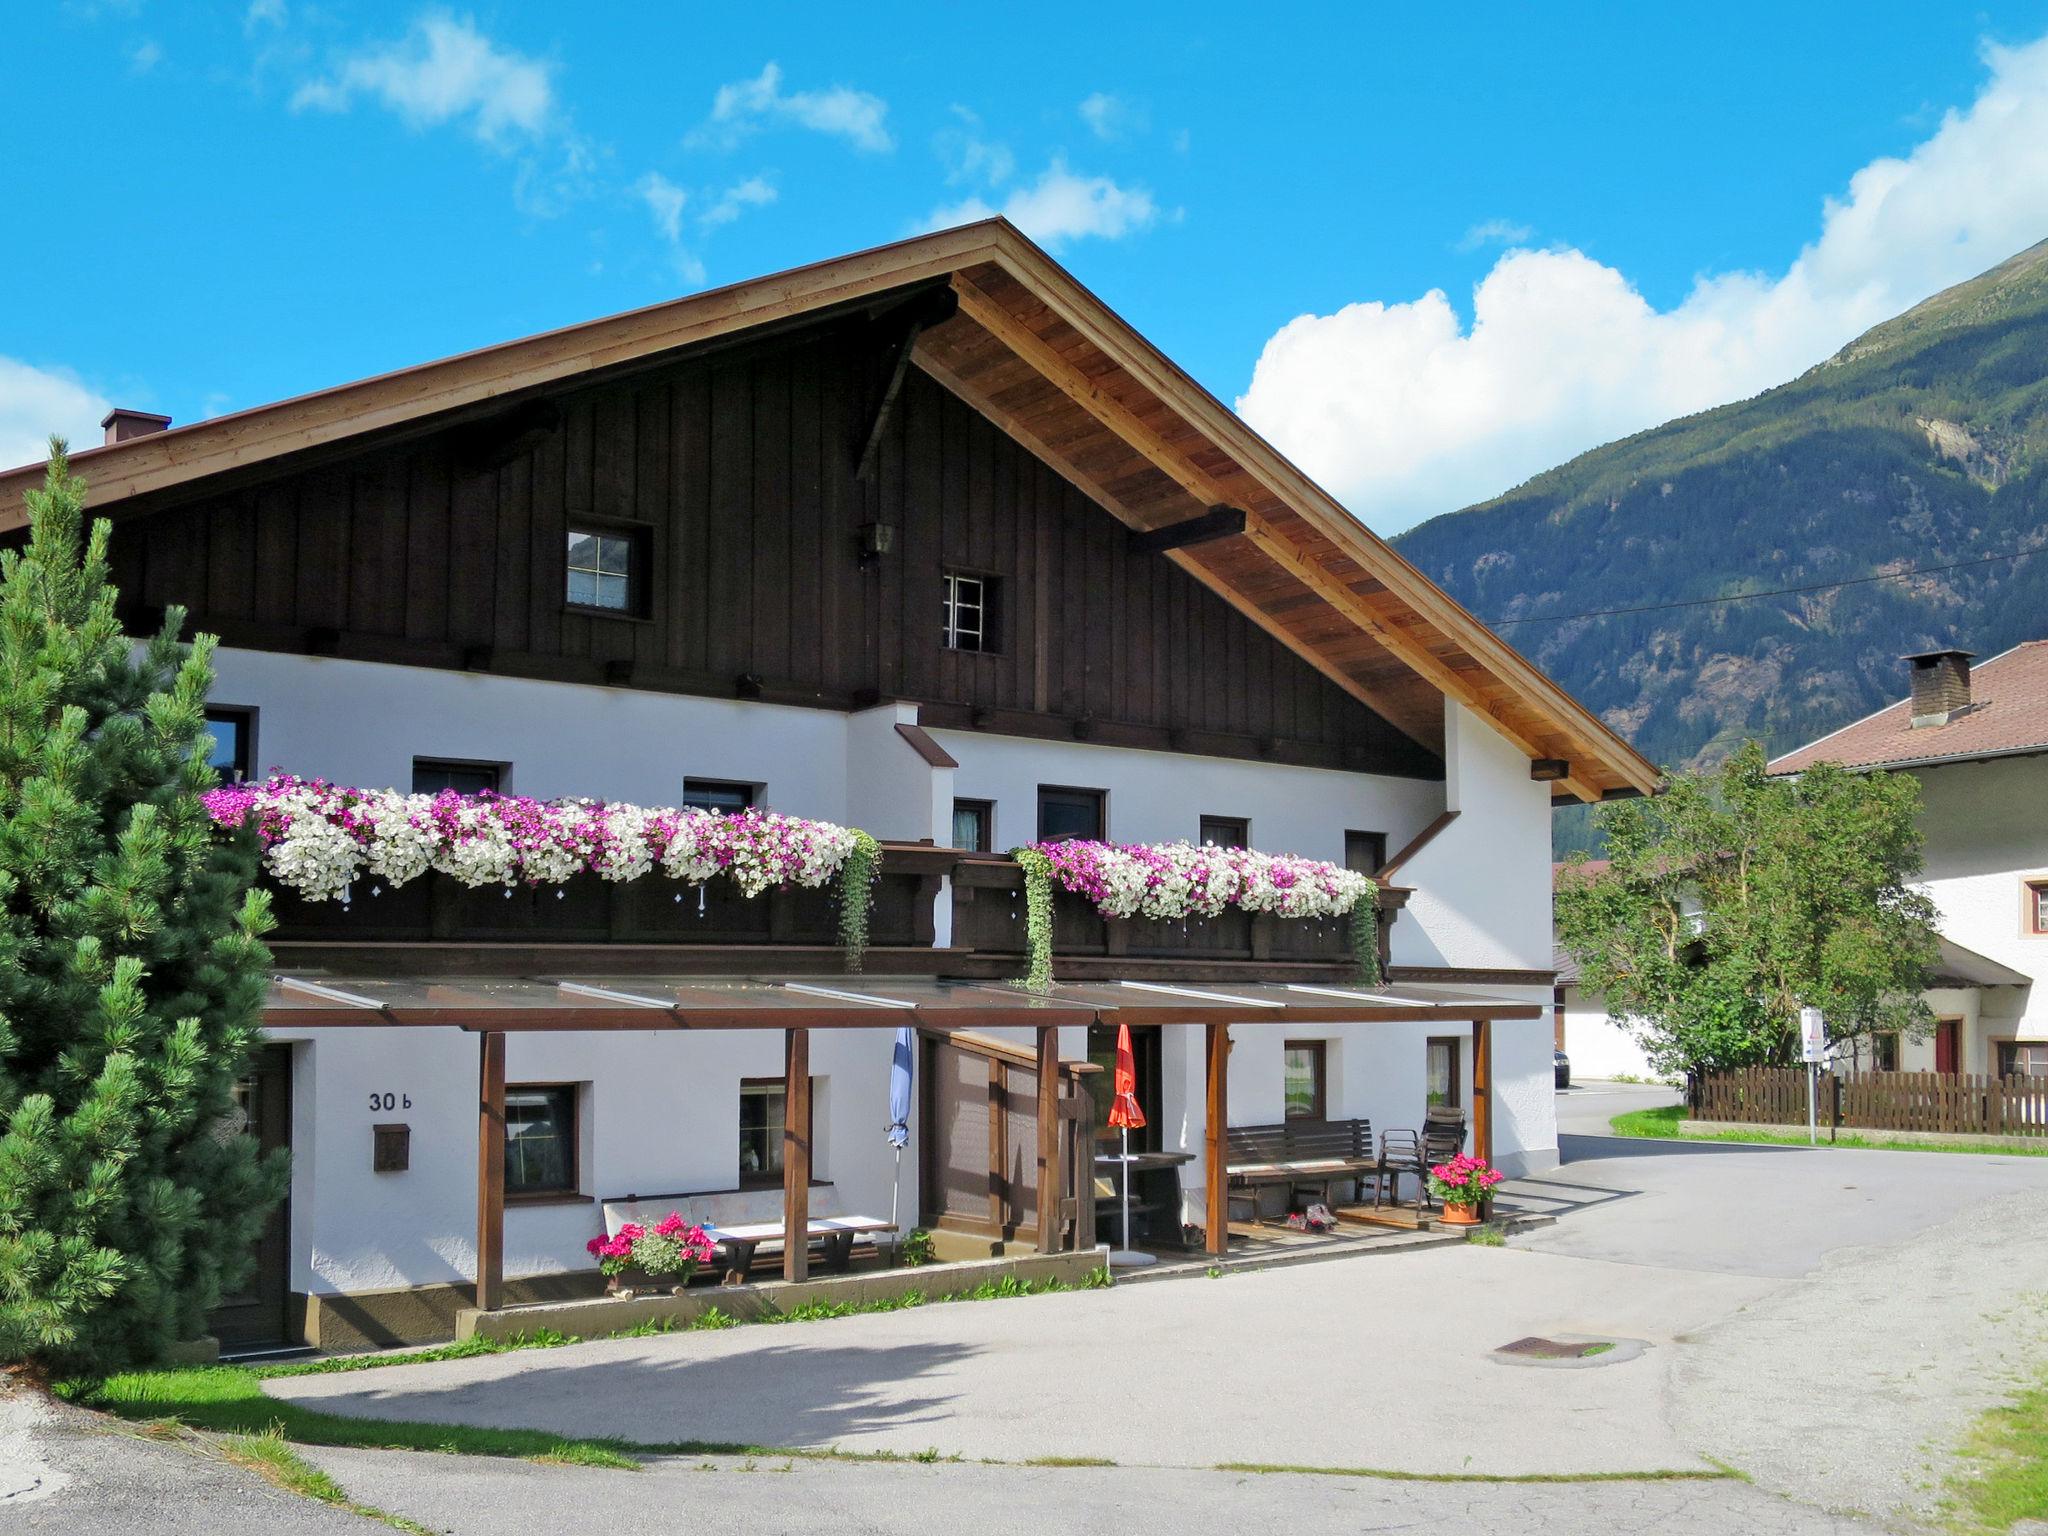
(1977,740)
(923,543)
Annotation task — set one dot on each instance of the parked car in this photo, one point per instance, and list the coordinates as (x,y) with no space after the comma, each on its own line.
(1563,1064)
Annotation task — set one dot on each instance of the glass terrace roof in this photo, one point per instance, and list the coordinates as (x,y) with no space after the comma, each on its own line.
(843,1002)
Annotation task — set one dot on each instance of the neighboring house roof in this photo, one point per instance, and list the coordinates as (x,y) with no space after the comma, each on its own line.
(1055,368)
(1965,967)
(2008,716)
(1567,968)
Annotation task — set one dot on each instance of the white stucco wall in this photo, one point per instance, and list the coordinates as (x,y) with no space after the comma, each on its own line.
(1599,1047)
(1984,837)
(661,1110)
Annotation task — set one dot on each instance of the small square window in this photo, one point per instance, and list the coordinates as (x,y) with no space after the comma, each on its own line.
(234,743)
(431,775)
(1365,852)
(1305,1088)
(764,1103)
(2037,906)
(718,795)
(1884,1052)
(1226,832)
(1065,813)
(974,823)
(602,571)
(2022,1058)
(970,616)
(541,1139)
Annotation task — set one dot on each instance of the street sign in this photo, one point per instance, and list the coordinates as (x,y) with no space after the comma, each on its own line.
(1813,1036)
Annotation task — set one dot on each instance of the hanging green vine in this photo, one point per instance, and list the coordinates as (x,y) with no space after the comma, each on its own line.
(1037,918)
(857,898)
(1365,935)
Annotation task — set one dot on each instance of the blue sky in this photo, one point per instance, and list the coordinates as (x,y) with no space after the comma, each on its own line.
(1428,254)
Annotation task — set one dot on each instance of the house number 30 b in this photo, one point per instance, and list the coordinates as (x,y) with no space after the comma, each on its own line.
(388,1101)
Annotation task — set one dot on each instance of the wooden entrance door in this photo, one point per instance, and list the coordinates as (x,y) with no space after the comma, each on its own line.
(258,1314)
(1948,1045)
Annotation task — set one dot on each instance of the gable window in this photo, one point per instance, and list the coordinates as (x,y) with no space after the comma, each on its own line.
(970,615)
(1065,813)
(431,775)
(718,795)
(2037,906)
(607,567)
(1365,852)
(541,1140)
(974,825)
(1305,1090)
(1226,832)
(234,743)
(764,1103)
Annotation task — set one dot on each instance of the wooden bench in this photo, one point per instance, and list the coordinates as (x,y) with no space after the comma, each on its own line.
(1301,1154)
(742,1222)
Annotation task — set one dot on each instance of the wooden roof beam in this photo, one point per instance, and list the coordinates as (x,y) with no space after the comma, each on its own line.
(1386,709)
(1334,590)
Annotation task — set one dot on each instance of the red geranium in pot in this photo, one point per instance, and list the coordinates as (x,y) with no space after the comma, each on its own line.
(1462,1184)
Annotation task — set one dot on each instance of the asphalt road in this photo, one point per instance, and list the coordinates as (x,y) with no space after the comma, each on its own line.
(1825,1320)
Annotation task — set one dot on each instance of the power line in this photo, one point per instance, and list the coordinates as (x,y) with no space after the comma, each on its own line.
(1744,597)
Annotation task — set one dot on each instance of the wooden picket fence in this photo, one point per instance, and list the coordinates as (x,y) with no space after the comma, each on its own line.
(1946,1102)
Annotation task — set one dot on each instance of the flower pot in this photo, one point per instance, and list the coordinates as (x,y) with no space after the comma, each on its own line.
(1460,1215)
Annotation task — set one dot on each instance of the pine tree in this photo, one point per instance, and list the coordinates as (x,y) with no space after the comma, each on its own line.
(131,970)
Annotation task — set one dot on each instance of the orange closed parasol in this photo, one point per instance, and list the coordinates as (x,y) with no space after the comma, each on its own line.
(1124,1113)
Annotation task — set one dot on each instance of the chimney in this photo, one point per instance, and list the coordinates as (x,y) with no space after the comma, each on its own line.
(1941,685)
(122,425)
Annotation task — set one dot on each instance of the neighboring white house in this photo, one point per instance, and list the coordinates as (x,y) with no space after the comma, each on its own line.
(924,541)
(1978,743)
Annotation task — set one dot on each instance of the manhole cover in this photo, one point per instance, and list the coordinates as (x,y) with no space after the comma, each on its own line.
(1557,1349)
(1569,1351)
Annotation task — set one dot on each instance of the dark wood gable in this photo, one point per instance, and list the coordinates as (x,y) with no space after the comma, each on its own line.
(737,476)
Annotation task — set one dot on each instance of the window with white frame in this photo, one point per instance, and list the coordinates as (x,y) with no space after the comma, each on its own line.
(970,612)
(601,570)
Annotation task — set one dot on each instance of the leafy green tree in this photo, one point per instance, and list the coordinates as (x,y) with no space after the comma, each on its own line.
(131,970)
(1734,899)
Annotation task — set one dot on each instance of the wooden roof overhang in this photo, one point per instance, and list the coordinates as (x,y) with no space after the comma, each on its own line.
(1050,364)
(587,1004)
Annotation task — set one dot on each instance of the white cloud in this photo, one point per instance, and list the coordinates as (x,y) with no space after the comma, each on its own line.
(37,402)
(665,200)
(444,70)
(1111,117)
(1404,410)
(754,192)
(1495,232)
(144,55)
(969,156)
(263,13)
(1060,206)
(745,105)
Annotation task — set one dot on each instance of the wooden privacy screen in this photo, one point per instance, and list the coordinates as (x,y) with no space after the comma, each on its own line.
(980,1160)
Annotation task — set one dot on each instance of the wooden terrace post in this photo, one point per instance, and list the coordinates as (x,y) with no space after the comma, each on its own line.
(1048,1138)
(490,1171)
(796,1154)
(1216,1154)
(1482,1090)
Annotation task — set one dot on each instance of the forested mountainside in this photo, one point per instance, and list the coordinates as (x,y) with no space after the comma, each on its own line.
(1917,445)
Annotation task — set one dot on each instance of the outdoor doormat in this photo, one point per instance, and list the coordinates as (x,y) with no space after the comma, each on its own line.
(1568,1350)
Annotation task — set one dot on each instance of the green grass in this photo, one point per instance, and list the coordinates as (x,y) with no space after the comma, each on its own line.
(268,1454)
(2005,1475)
(1662,1123)
(1489,1236)
(1389,1474)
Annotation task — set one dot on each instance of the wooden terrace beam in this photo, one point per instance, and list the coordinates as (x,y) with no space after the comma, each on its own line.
(796,1154)
(1216,1143)
(490,1172)
(1482,1090)
(1048,1119)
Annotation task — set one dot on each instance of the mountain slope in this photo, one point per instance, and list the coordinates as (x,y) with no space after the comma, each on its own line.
(1922,443)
